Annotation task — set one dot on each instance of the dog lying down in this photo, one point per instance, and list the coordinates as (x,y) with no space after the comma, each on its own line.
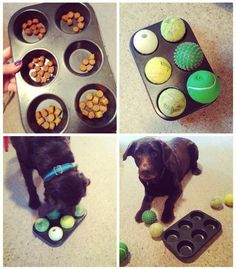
(161,168)
(55,163)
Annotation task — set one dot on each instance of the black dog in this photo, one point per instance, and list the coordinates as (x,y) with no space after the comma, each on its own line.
(162,166)
(64,190)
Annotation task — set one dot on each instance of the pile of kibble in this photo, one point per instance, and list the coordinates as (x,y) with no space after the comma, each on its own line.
(88,63)
(49,118)
(95,105)
(75,20)
(34,27)
(41,69)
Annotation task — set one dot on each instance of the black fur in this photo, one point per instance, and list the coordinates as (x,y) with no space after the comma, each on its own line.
(162,166)
(43,153)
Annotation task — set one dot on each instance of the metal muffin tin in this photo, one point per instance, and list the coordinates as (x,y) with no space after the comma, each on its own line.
(191,235)
(65,49)
(66,232)
(178,77)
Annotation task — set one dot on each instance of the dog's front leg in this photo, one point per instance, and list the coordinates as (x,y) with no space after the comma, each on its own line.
(34,201)
(146,205)
(168,213)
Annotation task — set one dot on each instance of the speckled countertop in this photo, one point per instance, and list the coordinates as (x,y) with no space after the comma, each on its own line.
(105,13)
(212,25)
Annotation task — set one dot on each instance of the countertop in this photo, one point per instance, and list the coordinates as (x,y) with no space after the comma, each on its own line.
(105,13)
(212,25)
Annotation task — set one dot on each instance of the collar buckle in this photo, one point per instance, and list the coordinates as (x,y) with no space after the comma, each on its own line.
(58,170)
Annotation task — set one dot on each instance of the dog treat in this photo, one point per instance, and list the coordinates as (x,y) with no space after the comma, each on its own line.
(94,106)
(33,26)
(41,69)
(74,20)
(49,118)
(57,112)
(88,63)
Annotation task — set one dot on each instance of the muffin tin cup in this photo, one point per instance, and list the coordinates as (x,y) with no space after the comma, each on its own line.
(66,232)
(189,237)
(43,102)
(178,77)
(108,116)
(67,81)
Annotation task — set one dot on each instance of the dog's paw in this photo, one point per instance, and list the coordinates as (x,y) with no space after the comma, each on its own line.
(167,217)
(138,216)
(196,171)
(34,204)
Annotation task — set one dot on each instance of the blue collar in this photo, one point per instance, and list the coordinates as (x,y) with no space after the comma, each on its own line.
(58,170)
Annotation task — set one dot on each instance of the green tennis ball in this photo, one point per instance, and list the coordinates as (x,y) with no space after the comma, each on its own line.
(67,222)
(216,203)
(172,102)
(54,214)
(123,255)
(172,28)
(124,246)
(79,211)
(203,86)
(149,217)
(188,56)
(158,70)
(156,230)
(41,225)
(229,199)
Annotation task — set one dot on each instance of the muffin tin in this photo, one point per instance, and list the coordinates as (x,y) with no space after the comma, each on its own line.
(178,77)
(191,235)
(66,232)
(66,50)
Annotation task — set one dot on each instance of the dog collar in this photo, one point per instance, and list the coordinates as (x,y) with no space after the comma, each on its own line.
(59,170)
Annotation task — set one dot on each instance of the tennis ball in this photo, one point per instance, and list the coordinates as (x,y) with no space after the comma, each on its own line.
(156,230)
(67,222)
(216,203)
(203,86)
(188,56)
(41,225)
(145,41)
(79,211)
(172,28)
(123,251)
(172,102)
(229,199)
(54,214)
(149,217)
(158,70)
(55,233)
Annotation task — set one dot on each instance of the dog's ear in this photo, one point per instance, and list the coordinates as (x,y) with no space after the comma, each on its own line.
(165,151)
(130,150)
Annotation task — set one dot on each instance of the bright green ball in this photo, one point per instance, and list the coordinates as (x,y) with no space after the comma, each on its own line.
(67,222)
(156,230)
(188,56)
(123,251)
(216,203)
(149,217)
(54,214)
(41,225)
(172,28)
(229,199)
(203,86)
(124,246)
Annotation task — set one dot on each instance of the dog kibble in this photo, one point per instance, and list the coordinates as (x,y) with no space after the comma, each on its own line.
(74,20)
(85,61)
(94,107)
(49,118)
(34,27)
(88,63)
(89,67)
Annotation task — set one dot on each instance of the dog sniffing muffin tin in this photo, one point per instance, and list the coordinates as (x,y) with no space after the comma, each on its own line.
(191,235)
(66,232)
(178,78)
(65,50)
